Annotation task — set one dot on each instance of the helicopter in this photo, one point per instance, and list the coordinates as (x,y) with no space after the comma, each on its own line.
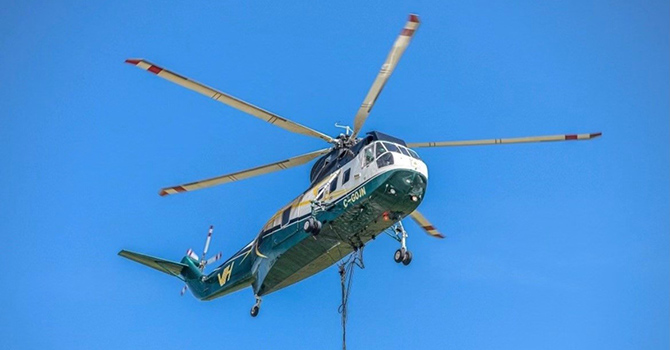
(360,187)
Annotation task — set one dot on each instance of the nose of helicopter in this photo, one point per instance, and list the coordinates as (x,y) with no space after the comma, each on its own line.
(417,186)
(415,178)
(408,184)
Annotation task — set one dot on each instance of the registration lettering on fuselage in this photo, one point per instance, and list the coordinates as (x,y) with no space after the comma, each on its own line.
(354,197)
(224,276)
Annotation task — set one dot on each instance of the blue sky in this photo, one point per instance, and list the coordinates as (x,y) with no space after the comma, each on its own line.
(551,246)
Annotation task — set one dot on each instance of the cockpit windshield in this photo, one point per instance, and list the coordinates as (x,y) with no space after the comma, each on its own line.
(392,147)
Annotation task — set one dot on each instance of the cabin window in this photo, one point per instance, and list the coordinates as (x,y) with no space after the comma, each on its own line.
(385,160)
(346,175)
(369,156)
(380,149)
(320,193)
(333,184)
(286,216)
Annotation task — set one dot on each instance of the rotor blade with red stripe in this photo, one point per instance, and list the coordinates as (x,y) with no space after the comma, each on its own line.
(425,224)
(550,138)
(213,259)
(392,60)
(228,100)
(207,241)
(191,254)
(240,175)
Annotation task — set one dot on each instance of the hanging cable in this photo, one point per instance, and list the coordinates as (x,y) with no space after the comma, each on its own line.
(346,270)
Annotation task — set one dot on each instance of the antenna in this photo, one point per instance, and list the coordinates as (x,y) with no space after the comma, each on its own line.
(347,129)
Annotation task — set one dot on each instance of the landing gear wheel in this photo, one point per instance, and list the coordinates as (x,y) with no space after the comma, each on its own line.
(254,311)
(399,256)
(407,258)
(312,226)
(307,226)
(317,227)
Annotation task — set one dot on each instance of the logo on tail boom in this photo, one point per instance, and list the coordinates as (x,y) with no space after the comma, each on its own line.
(224,276)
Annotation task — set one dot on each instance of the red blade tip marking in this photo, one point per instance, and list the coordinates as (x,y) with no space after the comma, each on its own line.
(155,69)
(407,32)
(414,18)
(596,134)
(132,61)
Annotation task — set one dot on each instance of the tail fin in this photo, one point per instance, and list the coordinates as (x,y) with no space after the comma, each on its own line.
(182,270)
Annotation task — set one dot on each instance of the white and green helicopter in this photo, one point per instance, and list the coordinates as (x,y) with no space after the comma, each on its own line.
(360,187)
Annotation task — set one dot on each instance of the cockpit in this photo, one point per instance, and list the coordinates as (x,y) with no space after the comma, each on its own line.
(376,146)
(382,151)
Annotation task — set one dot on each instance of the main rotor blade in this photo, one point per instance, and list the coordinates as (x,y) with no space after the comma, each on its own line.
(550,138)
(392,59)
(240,175)
(425,224)
(228,100)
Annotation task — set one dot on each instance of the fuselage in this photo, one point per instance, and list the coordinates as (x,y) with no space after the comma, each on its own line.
(359,198)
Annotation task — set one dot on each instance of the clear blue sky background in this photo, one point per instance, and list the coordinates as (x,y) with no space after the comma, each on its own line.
(550,246)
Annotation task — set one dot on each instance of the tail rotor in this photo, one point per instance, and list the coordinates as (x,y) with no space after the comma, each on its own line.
(202,261)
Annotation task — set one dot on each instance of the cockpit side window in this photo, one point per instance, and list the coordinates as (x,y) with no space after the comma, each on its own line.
(414,154)
(368,154)
(403,150)
(380,149)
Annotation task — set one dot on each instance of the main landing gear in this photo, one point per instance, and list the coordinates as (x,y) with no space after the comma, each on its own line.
(402,255)
(256,308)
(312,226)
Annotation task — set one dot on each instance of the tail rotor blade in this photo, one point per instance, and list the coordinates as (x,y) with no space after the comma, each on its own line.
(213,259)
(209,239)
(183,290)
(191,254)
